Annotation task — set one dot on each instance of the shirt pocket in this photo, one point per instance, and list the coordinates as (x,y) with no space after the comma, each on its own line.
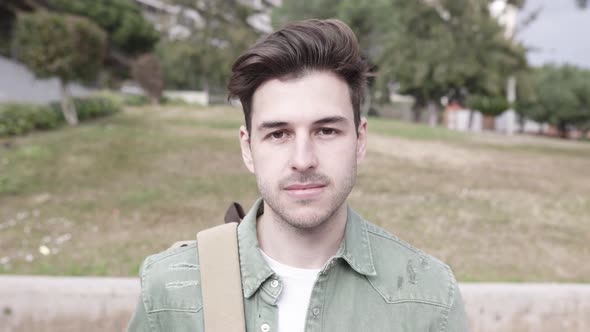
(173,286)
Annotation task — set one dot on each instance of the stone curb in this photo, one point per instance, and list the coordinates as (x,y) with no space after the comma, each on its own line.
(39,303)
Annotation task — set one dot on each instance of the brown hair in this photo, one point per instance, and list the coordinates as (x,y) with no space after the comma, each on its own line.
(295,50)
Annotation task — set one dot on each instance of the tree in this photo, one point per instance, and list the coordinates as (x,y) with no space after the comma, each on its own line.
(560,96)
(219,32)
(128,32)
(146,71)
(489,106)
(430,48)
(68,47)
(453,47)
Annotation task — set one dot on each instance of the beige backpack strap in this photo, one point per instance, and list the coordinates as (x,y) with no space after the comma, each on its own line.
(221,283)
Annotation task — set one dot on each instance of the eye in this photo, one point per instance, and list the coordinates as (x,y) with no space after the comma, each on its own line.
(277,134)
(327,131)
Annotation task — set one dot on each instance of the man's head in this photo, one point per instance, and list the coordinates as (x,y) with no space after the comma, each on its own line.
(294,51)
(301,90)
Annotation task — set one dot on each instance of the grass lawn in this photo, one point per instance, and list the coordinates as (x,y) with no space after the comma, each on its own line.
(96,199)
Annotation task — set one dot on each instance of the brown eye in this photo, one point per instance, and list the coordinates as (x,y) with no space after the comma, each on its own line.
(278,134)
(327,131)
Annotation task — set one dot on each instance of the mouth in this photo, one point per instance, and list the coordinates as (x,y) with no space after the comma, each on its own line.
(305,190)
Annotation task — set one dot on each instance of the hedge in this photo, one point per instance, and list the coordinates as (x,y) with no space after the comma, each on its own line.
(19,119)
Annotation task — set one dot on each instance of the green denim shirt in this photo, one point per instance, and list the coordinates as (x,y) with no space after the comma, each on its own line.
(375,282)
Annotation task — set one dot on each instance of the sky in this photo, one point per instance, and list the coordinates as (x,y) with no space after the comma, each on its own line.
(561,34)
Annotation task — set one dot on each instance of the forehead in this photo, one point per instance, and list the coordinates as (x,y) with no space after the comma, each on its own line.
(303,99)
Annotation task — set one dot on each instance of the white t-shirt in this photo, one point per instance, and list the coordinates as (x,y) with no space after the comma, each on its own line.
(293,301)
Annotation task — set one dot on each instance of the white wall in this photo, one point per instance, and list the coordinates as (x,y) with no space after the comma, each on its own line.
(18,84)
(459,120)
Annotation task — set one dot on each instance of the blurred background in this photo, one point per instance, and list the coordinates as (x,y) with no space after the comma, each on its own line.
(116,138)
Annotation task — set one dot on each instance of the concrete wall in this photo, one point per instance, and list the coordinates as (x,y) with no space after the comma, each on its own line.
(88,304)
(191,97)
(18,84)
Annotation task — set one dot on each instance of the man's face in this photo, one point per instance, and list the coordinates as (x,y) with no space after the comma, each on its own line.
(303,147)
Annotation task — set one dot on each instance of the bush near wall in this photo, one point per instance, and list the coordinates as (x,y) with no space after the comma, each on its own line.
(19,119)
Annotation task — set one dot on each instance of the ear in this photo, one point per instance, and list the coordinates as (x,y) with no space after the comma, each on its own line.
(361,146)
(246,150)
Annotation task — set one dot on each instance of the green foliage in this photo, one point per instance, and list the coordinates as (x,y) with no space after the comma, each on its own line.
(6,21)
(491,106)
(123,21)
(430,48)
(68,47)
(180,64)
(19,119)
(203,59)
(561,96)
(454,46)
(94,107)
(135,100)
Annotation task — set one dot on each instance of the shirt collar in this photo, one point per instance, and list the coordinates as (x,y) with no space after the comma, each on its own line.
(356,249)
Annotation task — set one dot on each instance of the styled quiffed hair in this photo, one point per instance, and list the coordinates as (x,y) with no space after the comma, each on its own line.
(295,50)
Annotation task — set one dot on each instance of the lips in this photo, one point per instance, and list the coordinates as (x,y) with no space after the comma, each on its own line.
(305,191)
(305,186)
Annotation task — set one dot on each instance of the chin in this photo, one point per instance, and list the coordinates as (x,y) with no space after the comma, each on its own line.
(304,222)
(307,216)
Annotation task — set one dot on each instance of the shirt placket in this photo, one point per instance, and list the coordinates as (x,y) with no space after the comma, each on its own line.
(315,310)
(268,294)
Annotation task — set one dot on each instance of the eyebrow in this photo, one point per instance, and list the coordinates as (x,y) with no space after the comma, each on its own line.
(323,121)
(330,120)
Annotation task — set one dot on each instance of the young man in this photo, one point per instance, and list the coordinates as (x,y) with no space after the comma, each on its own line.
(308,262)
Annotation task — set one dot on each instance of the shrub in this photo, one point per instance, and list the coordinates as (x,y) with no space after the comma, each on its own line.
(19,119)
(135,100)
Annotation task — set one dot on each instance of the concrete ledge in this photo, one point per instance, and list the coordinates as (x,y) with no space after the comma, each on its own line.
(539,307)
(36,303)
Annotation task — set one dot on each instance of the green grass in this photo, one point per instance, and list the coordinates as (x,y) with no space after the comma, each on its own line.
(413,130)
(104,195)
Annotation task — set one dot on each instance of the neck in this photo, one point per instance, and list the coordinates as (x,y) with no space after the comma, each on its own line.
(300,248)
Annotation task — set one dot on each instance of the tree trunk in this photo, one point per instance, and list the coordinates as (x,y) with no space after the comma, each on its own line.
(521,122)
(67,106)
(366,102)
(470,121)
(432,114)
(205,81)
(489,122)
(562,130)
(416,112)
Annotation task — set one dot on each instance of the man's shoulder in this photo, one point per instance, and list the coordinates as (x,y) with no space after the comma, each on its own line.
(185,252)
(170,280)
(406,273)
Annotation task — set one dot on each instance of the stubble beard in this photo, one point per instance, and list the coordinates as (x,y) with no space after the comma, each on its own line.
(273,196)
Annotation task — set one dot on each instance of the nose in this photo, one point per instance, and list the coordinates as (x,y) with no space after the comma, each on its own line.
(304,155)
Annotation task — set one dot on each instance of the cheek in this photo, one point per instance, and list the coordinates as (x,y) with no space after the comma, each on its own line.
(266,159)
(339,158)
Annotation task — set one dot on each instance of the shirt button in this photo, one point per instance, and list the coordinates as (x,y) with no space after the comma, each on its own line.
(265,327)
(274,283)
(315,311)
